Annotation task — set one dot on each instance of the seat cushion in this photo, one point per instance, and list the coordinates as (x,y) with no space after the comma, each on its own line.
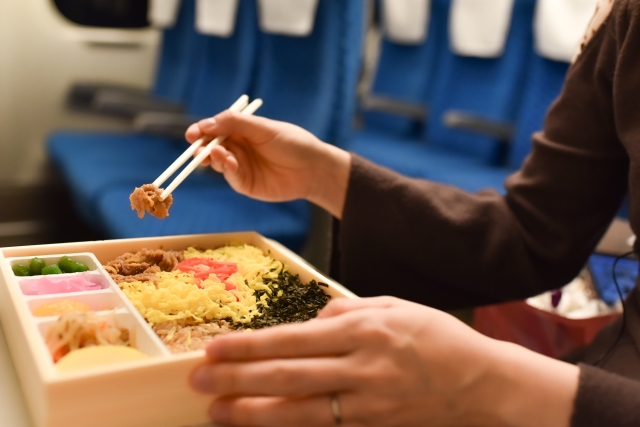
(206,208)
(415,158)
(92,162)
(409,156)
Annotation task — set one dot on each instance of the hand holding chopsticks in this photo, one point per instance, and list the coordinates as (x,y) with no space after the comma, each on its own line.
(239,105)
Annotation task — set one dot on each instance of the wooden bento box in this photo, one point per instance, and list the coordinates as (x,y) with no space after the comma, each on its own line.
(149,392)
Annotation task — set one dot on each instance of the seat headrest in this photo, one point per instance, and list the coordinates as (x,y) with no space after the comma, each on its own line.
(216,17)
(559,26)
(406,21)
(163,13)
(287,17)
(480,28)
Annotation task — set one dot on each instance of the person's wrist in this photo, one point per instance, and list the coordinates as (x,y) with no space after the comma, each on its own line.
(329,179)
(523,388)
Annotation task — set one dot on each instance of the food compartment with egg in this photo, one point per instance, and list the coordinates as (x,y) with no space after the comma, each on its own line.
(83,318)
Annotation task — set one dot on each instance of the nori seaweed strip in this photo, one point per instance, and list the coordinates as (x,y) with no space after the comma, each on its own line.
(298,303)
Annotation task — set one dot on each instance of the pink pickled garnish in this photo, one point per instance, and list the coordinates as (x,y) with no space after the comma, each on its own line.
(47,286)
(203,267)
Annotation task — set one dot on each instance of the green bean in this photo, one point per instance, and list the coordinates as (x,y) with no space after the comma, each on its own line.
(36,265)
(51,269)
(20,270)
(71,266)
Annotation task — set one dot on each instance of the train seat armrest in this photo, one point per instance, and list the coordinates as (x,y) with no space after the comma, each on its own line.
(81,94)
(501,131)
(129,105)
(383,104)
(172,125)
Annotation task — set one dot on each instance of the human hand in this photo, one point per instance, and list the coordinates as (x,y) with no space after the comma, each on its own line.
(390,363)
(275,161)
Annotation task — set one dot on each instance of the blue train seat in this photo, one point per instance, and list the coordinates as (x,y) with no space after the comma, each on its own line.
(556,40)
(406,69)
(487,86)
(205,208)
(542,86)
(308,80)
(311,81)
(437,161)
(407,74)
(90,162)
(479,86)
(223,70)
(180,47)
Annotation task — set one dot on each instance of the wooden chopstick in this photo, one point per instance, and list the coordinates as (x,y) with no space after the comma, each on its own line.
(248,110)
(240,104)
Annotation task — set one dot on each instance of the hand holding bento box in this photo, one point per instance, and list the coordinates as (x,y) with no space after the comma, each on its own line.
(386,362)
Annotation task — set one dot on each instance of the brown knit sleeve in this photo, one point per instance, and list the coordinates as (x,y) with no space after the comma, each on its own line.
(606,399)
(444,247)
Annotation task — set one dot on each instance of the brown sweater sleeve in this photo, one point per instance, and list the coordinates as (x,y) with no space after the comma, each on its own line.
(444,247)
(606,399)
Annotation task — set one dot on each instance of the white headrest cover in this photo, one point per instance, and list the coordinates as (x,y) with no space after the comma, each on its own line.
(216,17)
(480,28)
(288,17)
(559,27)
(163,13)
(406,21)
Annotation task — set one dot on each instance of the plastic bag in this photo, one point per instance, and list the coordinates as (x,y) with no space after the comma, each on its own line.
(554,323)
(538,330)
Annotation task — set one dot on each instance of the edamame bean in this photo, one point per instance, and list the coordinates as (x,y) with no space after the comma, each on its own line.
(36,265)
(20,270)
(71,266)
(51,269)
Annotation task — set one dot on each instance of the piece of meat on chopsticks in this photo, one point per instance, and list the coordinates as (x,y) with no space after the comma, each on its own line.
(147,199)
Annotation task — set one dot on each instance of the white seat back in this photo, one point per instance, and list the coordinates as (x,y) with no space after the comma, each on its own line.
(406,21)
(287,17)
(216,17)
(480,28)
(560,25)
(163,13)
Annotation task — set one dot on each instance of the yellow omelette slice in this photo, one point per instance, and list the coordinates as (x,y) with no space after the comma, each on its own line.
(90,357)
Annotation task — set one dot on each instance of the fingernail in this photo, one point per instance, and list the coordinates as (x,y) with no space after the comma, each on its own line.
(207,124)
(220,412)
(201,380)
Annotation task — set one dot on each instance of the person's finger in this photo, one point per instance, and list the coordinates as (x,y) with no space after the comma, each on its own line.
(201,129)
(207,125)
(205,161)
(218,158)
(309,411)
(240,126)
(193,133)
(224,160)
(231,166)
(339,306)
(280,377)
(230,162)
(319,338)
